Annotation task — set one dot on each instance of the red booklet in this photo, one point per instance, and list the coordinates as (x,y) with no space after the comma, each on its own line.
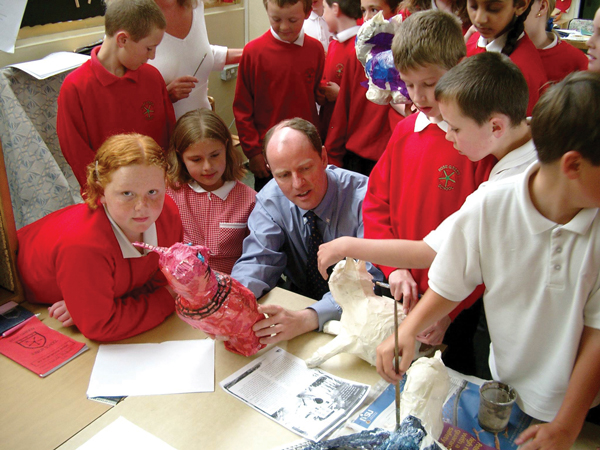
(39,348)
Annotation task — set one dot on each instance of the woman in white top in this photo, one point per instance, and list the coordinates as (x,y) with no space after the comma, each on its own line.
(185,58)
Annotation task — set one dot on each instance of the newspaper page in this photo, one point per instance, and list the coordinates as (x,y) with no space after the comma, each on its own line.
(461,428)
(309,402)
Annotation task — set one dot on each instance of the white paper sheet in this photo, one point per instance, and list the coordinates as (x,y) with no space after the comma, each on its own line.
(52,64)
(124,435)
(173,367)
(11,15)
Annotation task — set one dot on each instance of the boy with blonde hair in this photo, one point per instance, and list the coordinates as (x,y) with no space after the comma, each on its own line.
(116,91)
(421,179)
(533,240)
(279,75)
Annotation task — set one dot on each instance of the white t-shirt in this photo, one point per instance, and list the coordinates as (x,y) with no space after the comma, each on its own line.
(542,286)
(316,27)
(514,163)
(190,56)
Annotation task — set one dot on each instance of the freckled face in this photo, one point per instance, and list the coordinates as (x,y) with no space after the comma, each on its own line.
(206,161)
(287,21)
(371,7)
(134,197)
(420,83)
(298,169)
(594,45)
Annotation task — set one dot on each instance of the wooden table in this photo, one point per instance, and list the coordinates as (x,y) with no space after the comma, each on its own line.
(45,413)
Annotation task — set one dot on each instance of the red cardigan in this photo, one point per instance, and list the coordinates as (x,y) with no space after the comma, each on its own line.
(73,255)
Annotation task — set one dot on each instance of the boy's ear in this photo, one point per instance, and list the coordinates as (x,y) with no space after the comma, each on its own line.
(499,124)
(121,38)
(570,164)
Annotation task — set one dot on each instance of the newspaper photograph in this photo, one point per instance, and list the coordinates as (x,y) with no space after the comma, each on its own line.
(308,402)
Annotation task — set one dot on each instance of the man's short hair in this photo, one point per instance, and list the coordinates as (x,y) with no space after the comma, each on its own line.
(298,124)
(137,17)
(565,118)
(428,37)
(485,84)
(306,4)
(350,8)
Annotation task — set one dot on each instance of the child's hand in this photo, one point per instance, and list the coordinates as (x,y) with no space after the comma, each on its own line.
(469,33)
(404,109)
(404,288)
(385,356)
(329,254)
(547,436)
(60,312)
(320,96)
(258,166)
(331,91)
(434,335)
(180,88)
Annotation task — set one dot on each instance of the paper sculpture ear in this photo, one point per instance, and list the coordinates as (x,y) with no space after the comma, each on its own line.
(367,319)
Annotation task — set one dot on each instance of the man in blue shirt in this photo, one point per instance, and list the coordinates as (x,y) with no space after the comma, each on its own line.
(279,234)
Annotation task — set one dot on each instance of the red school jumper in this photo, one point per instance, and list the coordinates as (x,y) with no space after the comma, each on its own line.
(418,182)
(528,59)
(276,81)
(73,255)
(94,104)
(337,55)
(357,124)
(562,59)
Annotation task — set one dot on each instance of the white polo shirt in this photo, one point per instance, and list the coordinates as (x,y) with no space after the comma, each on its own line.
(542,286)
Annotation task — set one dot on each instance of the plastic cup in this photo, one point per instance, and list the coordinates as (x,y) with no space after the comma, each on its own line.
(495,405)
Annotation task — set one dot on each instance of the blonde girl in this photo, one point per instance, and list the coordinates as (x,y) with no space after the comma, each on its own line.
(81,259)
(205,172)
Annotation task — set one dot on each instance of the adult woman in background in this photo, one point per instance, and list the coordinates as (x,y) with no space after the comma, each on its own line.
(185,58)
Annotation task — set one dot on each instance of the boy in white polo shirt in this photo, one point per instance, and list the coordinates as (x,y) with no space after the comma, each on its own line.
(534,240)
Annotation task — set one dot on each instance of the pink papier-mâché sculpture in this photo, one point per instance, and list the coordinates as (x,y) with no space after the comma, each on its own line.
(209,300)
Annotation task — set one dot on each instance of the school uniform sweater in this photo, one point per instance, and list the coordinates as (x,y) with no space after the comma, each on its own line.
(357,124)
(73,255)
(276,81)
(561,58)
(340,51)
(419,181)
(526,57)
(218,220)
(94,104)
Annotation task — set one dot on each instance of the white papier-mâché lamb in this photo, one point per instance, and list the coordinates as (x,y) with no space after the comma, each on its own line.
(367,318)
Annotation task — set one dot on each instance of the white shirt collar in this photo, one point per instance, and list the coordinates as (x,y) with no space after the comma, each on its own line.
(526,153)
(495,46)
(537,223)
(127,249)
(222,192)
(554,42)
(423,122)
(299,41)
(348,33)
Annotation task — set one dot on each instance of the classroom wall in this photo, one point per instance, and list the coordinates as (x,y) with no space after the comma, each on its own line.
(258,22)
